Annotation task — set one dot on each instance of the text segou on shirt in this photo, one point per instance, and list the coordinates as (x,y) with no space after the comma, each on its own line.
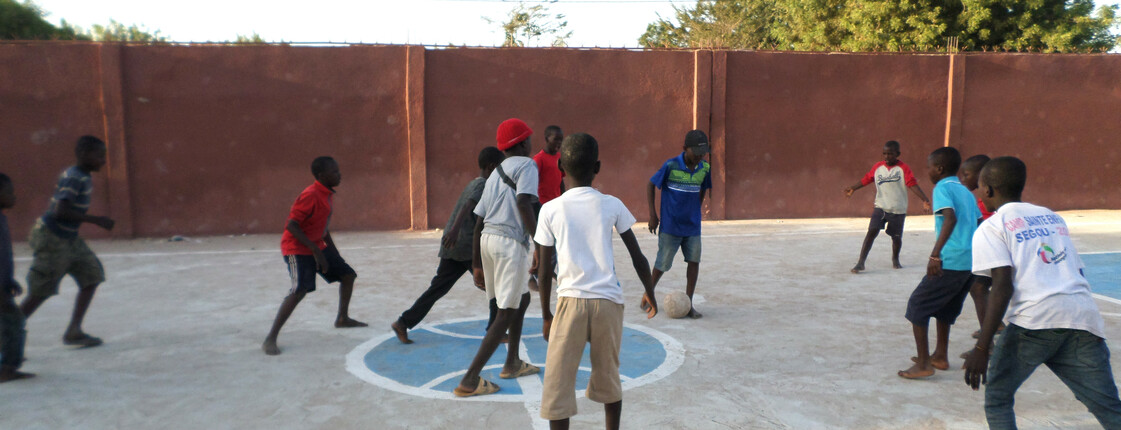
(681,195)
(891,185)
(1048,289)
(462,250)
(76,186)
(579,224)
(949,193)
(312,210)
(499,204)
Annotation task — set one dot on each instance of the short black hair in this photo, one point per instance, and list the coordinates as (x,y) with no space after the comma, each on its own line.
(552,129)
(87,143)
(975,163)
(4,181)
(490,155)
(578,155)
(1007,175)
(319,165)
(892,144)
(947,157)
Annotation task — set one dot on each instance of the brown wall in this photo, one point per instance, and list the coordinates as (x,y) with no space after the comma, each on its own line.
(218,139)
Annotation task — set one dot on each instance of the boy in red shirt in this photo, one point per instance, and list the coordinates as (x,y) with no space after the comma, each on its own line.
(308,249)
(550,184)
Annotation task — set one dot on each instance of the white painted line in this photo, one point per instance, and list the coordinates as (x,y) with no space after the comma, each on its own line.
(532,388)
(1107,299)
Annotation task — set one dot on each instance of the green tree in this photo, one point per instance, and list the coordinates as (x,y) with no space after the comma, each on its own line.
(117,32)
(252,38)
(530,23)
(24,21)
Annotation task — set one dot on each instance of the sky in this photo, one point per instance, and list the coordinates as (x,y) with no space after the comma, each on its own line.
(594,23)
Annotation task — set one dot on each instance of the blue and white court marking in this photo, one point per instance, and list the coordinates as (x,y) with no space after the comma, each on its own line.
(1103,270)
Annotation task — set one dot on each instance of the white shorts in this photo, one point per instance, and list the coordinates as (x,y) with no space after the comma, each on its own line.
(505,269)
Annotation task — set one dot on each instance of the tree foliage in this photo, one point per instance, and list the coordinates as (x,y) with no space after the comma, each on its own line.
(253,38)
(888,25)
(530,23)
(24,21)
(117,32)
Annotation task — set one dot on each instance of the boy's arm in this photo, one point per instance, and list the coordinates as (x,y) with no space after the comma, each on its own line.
(653,223)
(64,211)
(477,255)
(978,361)
(525,209)
(949,221)
(452,236)
(922,196)
(642,266)
(545,288)
(852,188)
(320,260)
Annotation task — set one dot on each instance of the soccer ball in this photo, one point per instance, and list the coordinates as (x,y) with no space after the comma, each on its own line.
(676,304)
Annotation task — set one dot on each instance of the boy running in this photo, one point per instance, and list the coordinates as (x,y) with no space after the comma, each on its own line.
(1040,293)
(577,228)
(684,180)
(309,249)
(942,291)
(59,251)
(893,178)
(12,332)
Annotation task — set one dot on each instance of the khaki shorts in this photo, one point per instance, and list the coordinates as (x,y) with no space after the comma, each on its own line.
(505,269)
(580,321)
(56,257)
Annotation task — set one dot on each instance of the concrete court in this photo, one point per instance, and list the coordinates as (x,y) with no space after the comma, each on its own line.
(790,339)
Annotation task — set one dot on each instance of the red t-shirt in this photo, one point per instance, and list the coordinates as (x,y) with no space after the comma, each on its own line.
(985,214)
(312,210)
(550,176)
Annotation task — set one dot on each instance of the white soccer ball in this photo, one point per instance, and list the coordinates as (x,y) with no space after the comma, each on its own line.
(676,304)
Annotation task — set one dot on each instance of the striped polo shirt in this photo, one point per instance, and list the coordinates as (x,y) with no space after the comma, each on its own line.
(74,185)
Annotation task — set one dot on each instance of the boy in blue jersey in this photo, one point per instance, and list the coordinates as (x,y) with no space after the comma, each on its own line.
(949,271)
(59,251)
(684,181)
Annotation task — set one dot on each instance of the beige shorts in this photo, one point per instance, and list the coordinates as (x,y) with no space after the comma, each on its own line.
(55,257)
(577,322)
(505,269)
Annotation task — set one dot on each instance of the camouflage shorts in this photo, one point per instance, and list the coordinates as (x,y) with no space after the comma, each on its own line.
(55,257)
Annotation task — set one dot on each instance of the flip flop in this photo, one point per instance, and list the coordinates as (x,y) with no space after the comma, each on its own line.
(526,369)
(485,387)
(86,341)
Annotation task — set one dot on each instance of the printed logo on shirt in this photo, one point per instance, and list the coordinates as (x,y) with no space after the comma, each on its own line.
(1049,256)
(896,176)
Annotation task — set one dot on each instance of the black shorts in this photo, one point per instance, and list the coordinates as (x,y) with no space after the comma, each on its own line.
(301,268)
(940,297)
(894,222)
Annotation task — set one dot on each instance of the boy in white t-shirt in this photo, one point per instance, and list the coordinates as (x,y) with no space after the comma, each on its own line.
(1045,301)
(577,227)
(893,178)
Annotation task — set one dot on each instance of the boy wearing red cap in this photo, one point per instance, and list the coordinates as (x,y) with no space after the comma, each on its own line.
(502,254)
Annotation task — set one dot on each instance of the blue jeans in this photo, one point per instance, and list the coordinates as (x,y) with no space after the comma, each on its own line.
(667,249)
(1078,358)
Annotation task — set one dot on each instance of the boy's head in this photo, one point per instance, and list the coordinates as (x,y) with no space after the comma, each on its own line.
(553,138)
(489,158)
(696,146)
(90,152)
(579,158)
(326,171)
(1002,180)
(513,137)
(943,163)
(891,153)
(971,170)
(7,192)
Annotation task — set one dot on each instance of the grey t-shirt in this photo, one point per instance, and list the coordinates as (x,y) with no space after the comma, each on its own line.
(462,250)
(499,204)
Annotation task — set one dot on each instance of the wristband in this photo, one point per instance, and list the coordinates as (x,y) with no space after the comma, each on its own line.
(936,259)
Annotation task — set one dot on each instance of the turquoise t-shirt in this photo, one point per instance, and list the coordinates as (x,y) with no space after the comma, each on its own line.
(949,193)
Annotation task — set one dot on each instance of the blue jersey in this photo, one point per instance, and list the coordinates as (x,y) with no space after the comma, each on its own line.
(76,186)
(949,193)
(681,195)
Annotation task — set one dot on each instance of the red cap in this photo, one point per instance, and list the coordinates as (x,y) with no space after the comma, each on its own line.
(511,132)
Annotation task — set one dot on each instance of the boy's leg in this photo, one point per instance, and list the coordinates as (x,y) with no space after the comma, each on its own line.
(87,271)
(447,273)
(514,336)
(940,359)
(614,412)
(875,224)
(667,249)
(489,344)
(74,334)
(1082,363)
(13,335)
(1012,363)
(567,339)
(895,231)
(301,271)
(691,250)
(31,303)
(342,273)
(922,367)
(285,311)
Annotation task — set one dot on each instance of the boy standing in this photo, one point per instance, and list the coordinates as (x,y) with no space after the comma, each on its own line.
(1040,292)
(969,174)
(893,178)
(455,249)
(59,251)
(577,228)
(550,184)
(502,254)
(12,332)
(942,291)
(309,249)
(684,180)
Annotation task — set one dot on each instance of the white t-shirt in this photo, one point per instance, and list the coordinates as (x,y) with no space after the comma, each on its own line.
(579,224)
(891,185)
(1049,290)
(498,205)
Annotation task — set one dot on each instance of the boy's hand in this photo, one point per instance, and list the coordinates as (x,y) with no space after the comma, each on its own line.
(104,222)
(480,281)
(653,224)
(321,263)
(975,367)
(934,267)
(926,206)
(649,305)
(546,325)
(450,240)
(16,289)
(849,191)
(533,266)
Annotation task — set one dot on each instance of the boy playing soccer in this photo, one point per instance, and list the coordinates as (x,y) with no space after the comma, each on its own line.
(968,174)
(577,228)
(1039,291)
(502,254)
(309,249)
(59,251)
(893,178)
(12,332)
(684,180)
(455,249)
(942,291)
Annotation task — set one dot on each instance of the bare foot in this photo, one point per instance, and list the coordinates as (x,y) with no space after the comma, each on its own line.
(859,267)
(694,314)
(9,374)
(270,347)
(917,372)
(401,332)
(895,264)
(349,323)
(937,363)
(80,339)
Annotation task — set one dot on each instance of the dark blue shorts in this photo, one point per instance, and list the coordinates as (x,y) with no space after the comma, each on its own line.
(892,222)
(301,268)
(940,297)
